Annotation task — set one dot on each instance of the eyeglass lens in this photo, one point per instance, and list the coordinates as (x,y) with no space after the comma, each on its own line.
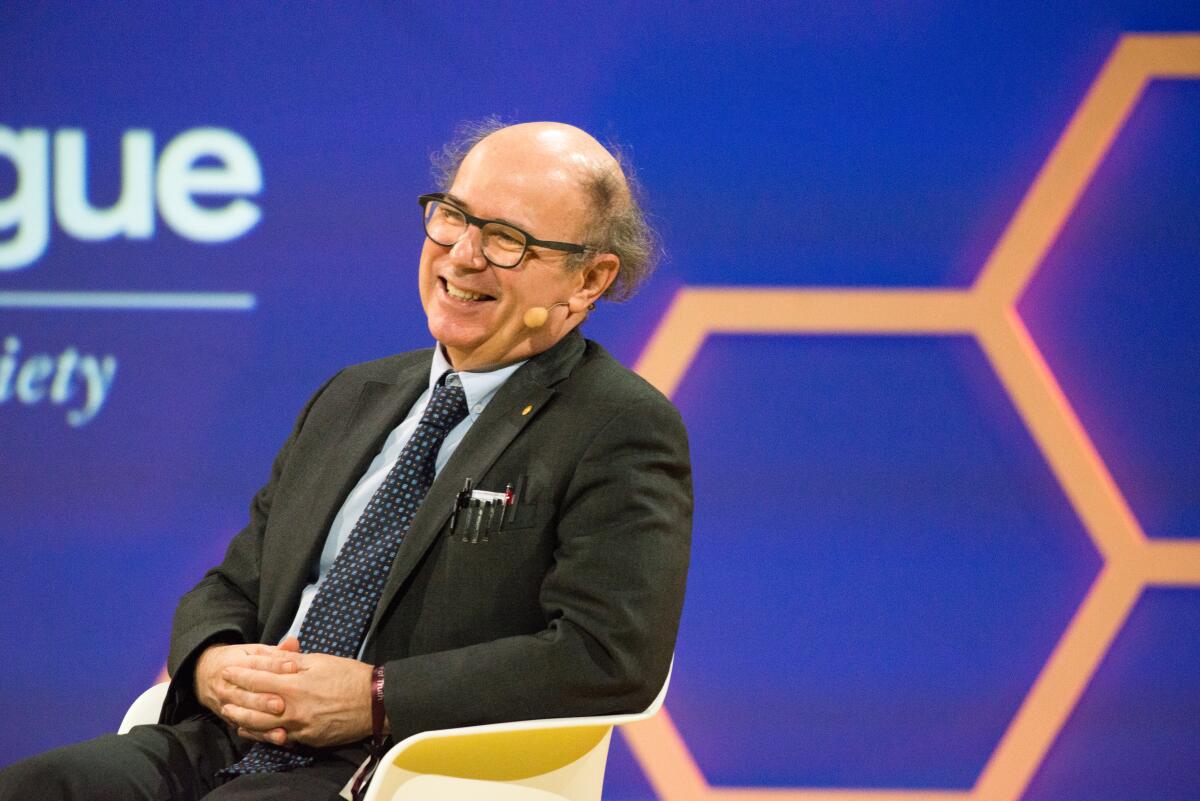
(445,224)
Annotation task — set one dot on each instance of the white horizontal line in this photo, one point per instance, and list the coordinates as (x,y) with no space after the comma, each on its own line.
(196,301)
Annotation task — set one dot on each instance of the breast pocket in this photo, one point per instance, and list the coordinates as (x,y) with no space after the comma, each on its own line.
(485,524)
(497,567)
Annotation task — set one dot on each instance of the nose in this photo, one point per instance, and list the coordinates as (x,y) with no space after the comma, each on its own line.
(468,250)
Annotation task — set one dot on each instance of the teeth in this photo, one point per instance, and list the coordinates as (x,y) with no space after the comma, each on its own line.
(461,294)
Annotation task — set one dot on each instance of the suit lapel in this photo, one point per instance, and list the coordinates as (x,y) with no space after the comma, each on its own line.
(502,420)
(380,408)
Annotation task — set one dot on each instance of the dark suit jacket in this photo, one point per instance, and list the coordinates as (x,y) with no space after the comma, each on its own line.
(571,610)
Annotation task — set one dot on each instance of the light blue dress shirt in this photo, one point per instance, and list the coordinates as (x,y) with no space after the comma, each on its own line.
(480,388)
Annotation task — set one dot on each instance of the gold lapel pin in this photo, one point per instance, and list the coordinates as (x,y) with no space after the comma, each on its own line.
(527,410)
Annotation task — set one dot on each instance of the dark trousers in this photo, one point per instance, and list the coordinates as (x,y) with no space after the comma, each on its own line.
(165,763)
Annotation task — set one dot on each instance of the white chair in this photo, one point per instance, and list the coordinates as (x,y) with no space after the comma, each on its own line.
(560,759)
(145,709)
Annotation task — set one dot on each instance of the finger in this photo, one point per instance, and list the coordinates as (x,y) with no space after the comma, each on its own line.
(247,734)
(271,736)
(261,702)
(272,659)
(275,651)
(256,681)
(223,691)
(249,718)
(255,648)
(275,736)
(277,662)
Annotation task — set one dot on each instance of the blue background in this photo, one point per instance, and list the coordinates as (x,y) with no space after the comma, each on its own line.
(883,560)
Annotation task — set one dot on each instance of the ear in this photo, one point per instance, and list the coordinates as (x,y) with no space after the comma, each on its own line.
(594,279)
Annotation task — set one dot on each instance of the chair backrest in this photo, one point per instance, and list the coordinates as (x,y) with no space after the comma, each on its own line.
(146,709)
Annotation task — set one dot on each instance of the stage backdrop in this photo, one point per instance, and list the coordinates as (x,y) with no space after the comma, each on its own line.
(929,308)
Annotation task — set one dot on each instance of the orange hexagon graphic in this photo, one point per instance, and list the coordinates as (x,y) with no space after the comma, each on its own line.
(985,311)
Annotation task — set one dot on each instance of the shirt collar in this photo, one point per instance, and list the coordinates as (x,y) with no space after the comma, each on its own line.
(478,387)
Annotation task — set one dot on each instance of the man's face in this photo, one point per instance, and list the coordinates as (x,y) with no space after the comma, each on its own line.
(475,309)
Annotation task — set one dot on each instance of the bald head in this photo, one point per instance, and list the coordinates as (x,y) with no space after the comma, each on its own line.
(569,150)
(566,156)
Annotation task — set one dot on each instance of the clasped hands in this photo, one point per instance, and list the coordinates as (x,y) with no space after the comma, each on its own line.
(278,695)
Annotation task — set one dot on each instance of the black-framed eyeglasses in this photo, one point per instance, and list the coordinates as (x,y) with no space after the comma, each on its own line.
(504,245)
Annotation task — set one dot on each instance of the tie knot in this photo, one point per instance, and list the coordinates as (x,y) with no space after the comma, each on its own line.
(448,404)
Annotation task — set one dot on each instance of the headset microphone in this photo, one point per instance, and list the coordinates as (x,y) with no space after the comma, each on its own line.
(537,316)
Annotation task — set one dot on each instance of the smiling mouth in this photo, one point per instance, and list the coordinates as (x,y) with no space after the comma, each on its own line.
(462,294)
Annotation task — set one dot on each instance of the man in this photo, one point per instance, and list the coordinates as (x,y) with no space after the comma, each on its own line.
(539,574)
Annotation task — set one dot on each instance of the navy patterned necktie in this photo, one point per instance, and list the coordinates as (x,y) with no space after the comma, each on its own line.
(337,620)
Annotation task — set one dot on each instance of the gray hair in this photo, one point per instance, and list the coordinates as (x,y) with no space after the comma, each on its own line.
(618,224)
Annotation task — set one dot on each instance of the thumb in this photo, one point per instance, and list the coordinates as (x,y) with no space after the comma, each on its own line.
(290,644)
